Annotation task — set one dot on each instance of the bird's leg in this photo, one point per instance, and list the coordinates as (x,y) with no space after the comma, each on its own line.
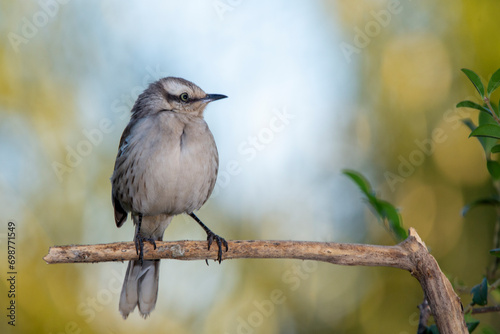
(211,236)
(139,240)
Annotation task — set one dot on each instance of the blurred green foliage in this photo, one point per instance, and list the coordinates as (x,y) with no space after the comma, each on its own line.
(385,211)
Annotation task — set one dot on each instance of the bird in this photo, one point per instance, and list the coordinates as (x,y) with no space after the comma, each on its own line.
(166,165)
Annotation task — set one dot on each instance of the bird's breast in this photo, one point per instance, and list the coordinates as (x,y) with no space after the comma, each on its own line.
(180,167)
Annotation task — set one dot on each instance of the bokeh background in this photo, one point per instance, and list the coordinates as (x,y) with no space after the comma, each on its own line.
(314,87)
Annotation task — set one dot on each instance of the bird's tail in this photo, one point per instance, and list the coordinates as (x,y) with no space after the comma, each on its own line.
(140,287)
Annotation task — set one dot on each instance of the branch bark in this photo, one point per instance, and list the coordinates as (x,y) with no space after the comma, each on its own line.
(411,255)
(486,309)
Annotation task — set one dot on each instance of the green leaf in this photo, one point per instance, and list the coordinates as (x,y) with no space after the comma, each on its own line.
(389,212)
(495,252)
(494,200)
(495,149)
(470,322)
(494,82)
(486,118)
(493,169)
(470,124)
(471,326)
(473,105)
(486,130)
(383,210)
(487,142)
(360,180)
(476,80)
(480,293)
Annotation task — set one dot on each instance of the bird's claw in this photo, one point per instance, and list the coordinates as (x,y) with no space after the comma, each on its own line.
(139,245)
(211,237)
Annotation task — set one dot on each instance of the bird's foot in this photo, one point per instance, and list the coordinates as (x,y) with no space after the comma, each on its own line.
(211,237)
(139,245)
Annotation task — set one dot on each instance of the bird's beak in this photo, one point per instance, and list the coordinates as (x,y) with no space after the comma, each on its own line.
(213,97)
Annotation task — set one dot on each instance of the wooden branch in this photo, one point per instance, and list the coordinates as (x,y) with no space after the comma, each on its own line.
(345,254)
(486,309)
(411,255)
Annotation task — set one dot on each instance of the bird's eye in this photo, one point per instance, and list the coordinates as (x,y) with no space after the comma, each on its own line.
(184,97)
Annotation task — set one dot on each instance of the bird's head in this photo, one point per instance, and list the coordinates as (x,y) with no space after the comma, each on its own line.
(173,94)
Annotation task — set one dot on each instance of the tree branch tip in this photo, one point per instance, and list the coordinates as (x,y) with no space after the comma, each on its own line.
(412,233)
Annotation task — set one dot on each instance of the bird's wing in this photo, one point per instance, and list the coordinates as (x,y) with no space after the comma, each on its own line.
(120,212)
